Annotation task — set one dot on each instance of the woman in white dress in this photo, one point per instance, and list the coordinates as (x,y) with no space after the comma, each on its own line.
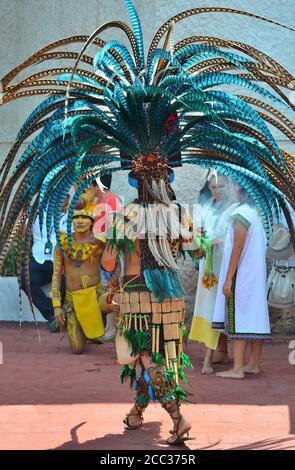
(214,211)
(241,309)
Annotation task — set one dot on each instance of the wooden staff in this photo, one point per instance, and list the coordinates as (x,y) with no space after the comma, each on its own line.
(140,322)
(166,355)
(172,350)
(146,322)
(176,371)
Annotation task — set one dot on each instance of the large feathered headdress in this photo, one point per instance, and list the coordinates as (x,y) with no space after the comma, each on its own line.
(110,111)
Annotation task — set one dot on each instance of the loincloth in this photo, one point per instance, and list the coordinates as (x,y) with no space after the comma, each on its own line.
(86,305)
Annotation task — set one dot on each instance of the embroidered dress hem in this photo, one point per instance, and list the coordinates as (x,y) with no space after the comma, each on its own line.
(249,336)
(218,325)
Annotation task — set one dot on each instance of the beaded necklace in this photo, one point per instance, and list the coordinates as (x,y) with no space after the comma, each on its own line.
(81,251)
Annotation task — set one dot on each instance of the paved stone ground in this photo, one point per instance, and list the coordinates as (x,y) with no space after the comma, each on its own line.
(50,399)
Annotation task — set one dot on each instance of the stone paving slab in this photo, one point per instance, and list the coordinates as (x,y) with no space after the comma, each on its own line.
(51,399)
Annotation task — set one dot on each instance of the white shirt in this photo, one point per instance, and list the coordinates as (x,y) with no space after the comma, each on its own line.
(40,238)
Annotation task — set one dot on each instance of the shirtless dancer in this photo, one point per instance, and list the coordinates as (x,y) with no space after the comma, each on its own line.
(85,297)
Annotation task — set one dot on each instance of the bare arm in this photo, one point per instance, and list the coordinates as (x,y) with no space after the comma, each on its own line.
(114,282)
(58,264)
(240,233)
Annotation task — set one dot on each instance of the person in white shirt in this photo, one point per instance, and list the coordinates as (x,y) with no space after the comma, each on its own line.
(41,267)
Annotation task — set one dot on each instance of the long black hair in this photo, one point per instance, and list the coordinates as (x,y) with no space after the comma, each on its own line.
(205,192)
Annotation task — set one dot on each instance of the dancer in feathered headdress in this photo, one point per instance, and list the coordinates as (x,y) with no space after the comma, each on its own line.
(148,115)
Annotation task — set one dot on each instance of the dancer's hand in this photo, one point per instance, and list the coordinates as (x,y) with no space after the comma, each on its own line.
(113,285)
(59,316)
(227,288)
(109,258)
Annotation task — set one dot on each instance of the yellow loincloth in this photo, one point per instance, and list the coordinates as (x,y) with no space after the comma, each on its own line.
(87,310)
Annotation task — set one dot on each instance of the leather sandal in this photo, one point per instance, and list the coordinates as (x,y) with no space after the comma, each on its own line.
(130,427)
(177,438)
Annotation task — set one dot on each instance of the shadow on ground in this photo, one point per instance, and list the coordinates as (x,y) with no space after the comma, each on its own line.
(47,373)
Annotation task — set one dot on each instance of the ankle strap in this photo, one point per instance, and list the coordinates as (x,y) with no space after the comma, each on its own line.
(172,408)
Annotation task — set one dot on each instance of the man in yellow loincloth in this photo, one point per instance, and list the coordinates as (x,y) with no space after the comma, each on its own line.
(86,299)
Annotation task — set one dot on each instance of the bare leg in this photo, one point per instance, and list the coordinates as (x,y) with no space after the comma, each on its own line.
(181,425)
(163,389)
(110,313)
(253,366)
(237,372)
(164,394)
(134,418)
(146,360)
(207,365)
(76,335)
(221,355)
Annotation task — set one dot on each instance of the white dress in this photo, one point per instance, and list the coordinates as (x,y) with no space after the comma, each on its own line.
(245,314)
(215,223)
